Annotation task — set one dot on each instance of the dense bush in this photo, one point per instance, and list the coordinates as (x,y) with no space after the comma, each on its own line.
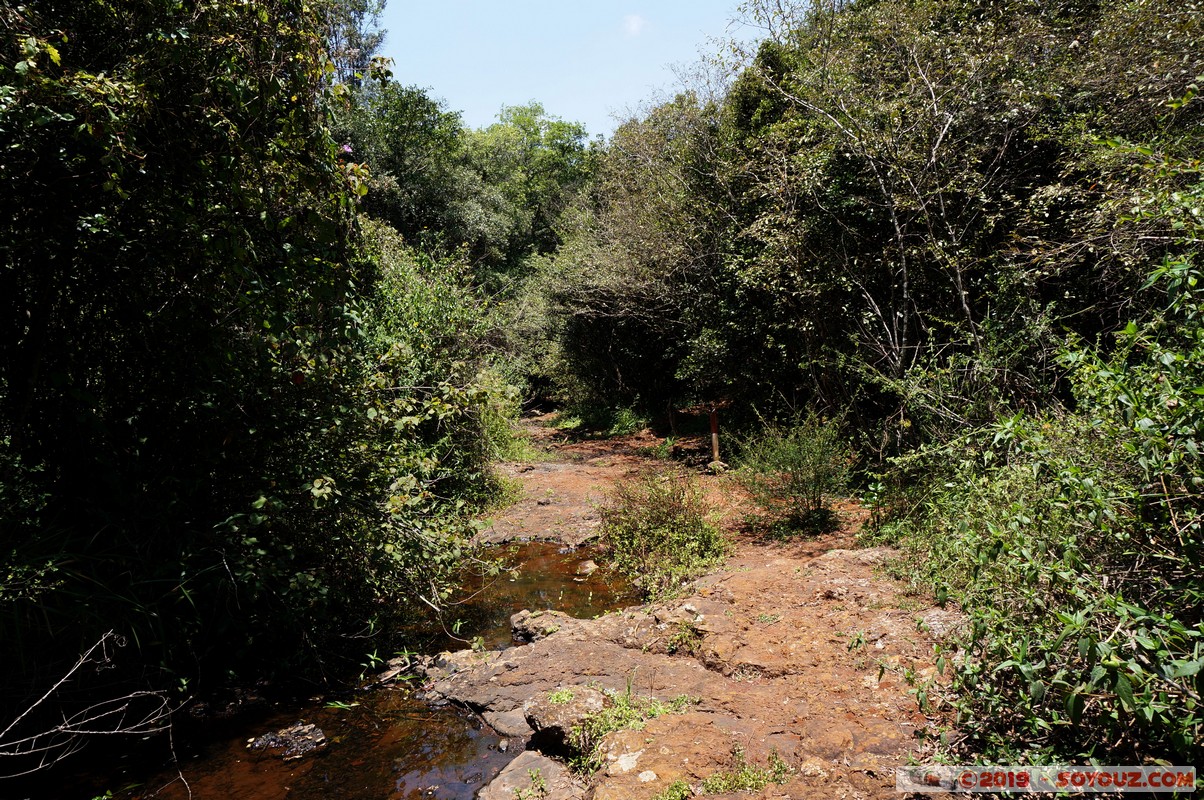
(656,530)
(793,471)
(900,237)
(228,433)
(1073,540)
(490,195)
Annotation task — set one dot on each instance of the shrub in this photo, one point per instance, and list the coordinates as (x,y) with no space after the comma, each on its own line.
(656,528)
(748,777)
(1082,640)
(792,471)
(1073,541)
(624,711)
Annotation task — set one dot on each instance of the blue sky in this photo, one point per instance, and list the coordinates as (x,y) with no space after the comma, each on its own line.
(582,60)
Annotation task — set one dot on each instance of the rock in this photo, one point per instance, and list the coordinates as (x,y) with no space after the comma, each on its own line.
(293,742)
(554,715)
(531,626)
(944,624)
(763,646)
(625,763)
(587,567)
(509,723)
(535,776)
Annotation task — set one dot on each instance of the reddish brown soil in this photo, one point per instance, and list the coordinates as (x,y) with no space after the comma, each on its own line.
(801,650)
(561,490)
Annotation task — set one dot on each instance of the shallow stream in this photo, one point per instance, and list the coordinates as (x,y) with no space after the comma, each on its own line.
(385,744)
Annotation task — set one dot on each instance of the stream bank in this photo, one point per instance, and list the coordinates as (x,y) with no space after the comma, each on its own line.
(798,659)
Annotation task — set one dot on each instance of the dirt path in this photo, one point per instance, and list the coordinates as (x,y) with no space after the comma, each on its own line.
(798,654)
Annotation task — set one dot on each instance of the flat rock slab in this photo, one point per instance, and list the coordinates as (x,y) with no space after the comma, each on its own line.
(532,776)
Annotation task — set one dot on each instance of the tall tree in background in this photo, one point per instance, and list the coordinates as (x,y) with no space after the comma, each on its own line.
(353,37)
(495,194)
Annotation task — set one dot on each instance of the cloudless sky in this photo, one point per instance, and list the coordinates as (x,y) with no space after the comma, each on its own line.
(583,60)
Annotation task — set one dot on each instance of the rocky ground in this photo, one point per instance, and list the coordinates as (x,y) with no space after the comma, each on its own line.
(796,661)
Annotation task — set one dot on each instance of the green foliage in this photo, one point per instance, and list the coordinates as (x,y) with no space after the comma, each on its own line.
(536,162)
(678,790)
(537,788)
(792,471)
(748,777)
(606,314)
(179,340)
(418,183)
(894,212)
(491,196)
(624,711)
(656,530)
(228,432)
(560,696)
(1074,543)
(745,778)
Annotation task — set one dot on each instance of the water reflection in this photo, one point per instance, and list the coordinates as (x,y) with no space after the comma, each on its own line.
(391,745)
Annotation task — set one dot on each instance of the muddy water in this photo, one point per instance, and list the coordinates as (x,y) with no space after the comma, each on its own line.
(390,745)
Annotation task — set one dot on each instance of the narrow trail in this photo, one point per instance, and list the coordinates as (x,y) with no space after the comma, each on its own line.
(799,652)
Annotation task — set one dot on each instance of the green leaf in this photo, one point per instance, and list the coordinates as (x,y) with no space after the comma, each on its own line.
(1185,669)
(1124,691)
(1074,706)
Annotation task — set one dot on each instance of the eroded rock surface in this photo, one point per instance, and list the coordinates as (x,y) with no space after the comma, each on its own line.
(532,776)
(802,659)
(798,654)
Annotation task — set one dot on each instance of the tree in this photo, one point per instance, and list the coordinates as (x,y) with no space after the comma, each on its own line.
(203,446)
(353,37)
(537,162)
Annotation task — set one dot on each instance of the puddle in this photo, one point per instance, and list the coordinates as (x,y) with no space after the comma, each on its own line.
(547,580)
(391,745)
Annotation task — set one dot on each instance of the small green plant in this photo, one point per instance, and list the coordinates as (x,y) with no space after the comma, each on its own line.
(538,787)
(792,472)
(625,712)
(657,530)
(768,619)
(678,790)
(372,661)
(685,639)
(560,697)
(626,421)
(664,450)
(748,777)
